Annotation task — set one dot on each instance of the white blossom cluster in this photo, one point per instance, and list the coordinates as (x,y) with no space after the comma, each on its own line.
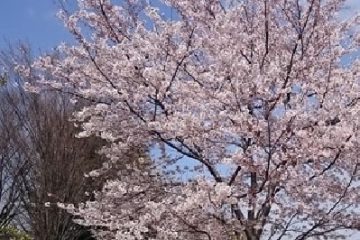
(253,93)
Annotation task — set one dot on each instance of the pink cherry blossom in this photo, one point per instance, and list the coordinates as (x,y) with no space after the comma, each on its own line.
(251,112)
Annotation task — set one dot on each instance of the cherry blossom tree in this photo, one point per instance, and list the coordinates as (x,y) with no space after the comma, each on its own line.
(251,109)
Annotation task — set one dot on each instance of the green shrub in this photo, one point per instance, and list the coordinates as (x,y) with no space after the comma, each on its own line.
(12,233)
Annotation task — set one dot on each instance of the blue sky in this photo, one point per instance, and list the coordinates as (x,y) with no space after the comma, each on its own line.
(34,21)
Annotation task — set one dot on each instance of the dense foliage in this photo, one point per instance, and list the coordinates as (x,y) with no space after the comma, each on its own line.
(250,112)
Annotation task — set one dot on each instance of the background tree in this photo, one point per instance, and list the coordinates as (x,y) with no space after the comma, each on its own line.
(46,160)
(43,161)
(12,169)
(249,102)
(12,166)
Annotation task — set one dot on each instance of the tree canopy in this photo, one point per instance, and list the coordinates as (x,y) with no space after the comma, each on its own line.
(251,114)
